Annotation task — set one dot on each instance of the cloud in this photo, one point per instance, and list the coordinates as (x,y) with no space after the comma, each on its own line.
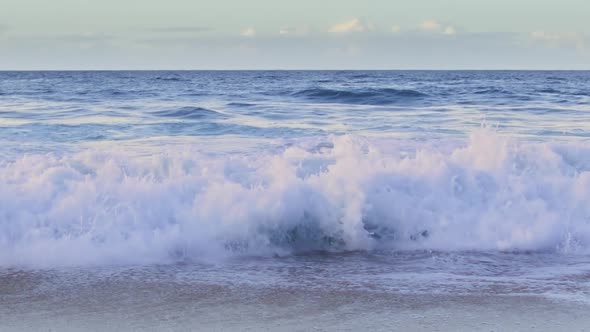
(300,31)
(286,31)
(248,32)
(352,25)
(547,36)
(430,25)
(434,26)
(185,29)
(410,49)
(450,30)
(578,41)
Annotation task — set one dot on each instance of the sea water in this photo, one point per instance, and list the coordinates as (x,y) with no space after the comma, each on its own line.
(295,200)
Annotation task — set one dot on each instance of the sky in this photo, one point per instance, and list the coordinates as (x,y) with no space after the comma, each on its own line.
(302,34)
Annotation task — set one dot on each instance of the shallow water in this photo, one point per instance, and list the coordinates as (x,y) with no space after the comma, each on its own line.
(424,291)
(344,200)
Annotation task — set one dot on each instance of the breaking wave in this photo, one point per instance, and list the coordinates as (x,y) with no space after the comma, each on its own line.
(106,207)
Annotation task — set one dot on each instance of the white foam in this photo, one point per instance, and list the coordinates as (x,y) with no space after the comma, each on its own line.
(104,206)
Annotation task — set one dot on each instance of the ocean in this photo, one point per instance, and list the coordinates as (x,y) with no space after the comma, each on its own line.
(295,200)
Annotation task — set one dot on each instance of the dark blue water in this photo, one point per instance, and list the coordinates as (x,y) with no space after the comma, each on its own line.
(43,109)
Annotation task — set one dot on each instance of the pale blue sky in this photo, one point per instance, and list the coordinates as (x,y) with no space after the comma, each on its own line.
(313,34)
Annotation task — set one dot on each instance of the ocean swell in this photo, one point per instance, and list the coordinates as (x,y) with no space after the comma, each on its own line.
(106,207)
(384,96)
(188,112)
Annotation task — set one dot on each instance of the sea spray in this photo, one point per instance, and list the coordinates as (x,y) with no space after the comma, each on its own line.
(346,193)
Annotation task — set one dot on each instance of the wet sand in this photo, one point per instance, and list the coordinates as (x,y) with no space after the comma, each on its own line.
(48,301)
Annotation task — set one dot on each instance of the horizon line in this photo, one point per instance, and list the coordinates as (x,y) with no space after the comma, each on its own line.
(275,69)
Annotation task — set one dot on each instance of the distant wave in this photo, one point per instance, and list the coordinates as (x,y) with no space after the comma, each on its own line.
(493,91)
(385,96)
(555,78)
(171,79)
(105,207)
(188,112)
(567,93)
(548,90)
(360,76)
(235,104)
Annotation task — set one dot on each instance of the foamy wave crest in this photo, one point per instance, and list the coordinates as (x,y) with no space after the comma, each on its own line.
(104,207)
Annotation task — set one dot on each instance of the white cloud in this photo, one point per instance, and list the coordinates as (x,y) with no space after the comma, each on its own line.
(352,25)
(545,36)
(434,26)
(248,32)
(287,30)
(450,30)
(430,25)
